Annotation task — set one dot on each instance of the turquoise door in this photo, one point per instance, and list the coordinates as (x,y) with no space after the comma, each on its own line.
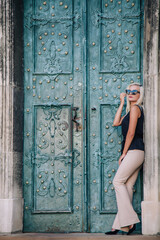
(78,57)
(114,61)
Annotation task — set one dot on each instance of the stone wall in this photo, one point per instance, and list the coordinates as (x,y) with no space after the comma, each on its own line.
(151,203)
(11,115)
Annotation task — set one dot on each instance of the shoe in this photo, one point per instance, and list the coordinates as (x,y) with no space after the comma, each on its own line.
(112,232)
(131,229)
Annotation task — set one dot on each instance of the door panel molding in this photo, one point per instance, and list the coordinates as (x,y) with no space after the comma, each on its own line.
(52,147)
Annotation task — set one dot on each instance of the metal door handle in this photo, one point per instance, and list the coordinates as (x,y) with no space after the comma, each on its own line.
(75,109)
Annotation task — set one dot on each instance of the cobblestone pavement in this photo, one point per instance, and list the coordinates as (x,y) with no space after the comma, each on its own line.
(74,236)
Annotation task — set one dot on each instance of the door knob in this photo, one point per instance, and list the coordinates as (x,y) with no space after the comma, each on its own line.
(93,109)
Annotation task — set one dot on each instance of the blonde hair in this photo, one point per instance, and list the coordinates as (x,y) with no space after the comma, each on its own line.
(140,99)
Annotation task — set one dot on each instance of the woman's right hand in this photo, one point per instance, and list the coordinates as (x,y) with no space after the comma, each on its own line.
(121,158)
(122,96)
(118,119)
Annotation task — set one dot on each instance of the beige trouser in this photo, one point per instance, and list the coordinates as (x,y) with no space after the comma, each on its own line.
(123,182)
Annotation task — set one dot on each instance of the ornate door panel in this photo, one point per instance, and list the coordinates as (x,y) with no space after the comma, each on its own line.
(114,50)
(53,167)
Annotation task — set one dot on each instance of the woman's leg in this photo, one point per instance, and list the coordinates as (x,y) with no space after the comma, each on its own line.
(117,226)
(131,181)
(126,175)
(129,184)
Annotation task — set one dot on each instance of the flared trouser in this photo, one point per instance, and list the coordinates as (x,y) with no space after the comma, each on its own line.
(123,182)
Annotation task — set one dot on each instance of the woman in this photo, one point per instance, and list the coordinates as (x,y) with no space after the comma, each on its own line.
(131,159)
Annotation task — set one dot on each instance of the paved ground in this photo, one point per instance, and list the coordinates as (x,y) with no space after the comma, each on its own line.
(74,236)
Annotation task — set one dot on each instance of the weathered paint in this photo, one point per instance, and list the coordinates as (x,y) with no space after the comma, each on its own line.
(78,58)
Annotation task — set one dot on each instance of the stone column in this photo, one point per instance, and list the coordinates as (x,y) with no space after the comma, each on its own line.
(151,203)
(11,116)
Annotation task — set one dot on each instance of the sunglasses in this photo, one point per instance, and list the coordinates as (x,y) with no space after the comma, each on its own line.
(133,92)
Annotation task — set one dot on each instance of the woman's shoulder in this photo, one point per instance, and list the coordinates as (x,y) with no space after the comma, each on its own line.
(137,108)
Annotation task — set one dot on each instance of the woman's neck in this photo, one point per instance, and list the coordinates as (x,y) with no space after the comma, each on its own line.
(133,103)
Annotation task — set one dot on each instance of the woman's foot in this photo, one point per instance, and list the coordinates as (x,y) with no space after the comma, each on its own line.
(131,229)
(113,232)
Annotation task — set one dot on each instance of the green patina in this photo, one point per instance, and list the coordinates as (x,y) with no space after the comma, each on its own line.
(78,57)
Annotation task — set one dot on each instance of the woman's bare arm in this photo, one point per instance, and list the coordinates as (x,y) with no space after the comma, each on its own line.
(118,119)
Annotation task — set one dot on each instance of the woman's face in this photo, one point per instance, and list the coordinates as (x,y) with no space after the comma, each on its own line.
(134,98)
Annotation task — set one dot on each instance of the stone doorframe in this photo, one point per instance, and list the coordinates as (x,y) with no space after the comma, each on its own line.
(151,74)
(11,117)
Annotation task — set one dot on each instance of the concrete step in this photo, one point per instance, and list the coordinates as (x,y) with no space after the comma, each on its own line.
(74,236)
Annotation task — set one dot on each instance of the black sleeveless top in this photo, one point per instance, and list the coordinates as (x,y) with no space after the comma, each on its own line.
(137,142)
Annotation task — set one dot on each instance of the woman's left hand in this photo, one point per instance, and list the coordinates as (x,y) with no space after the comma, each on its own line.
(121,158)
